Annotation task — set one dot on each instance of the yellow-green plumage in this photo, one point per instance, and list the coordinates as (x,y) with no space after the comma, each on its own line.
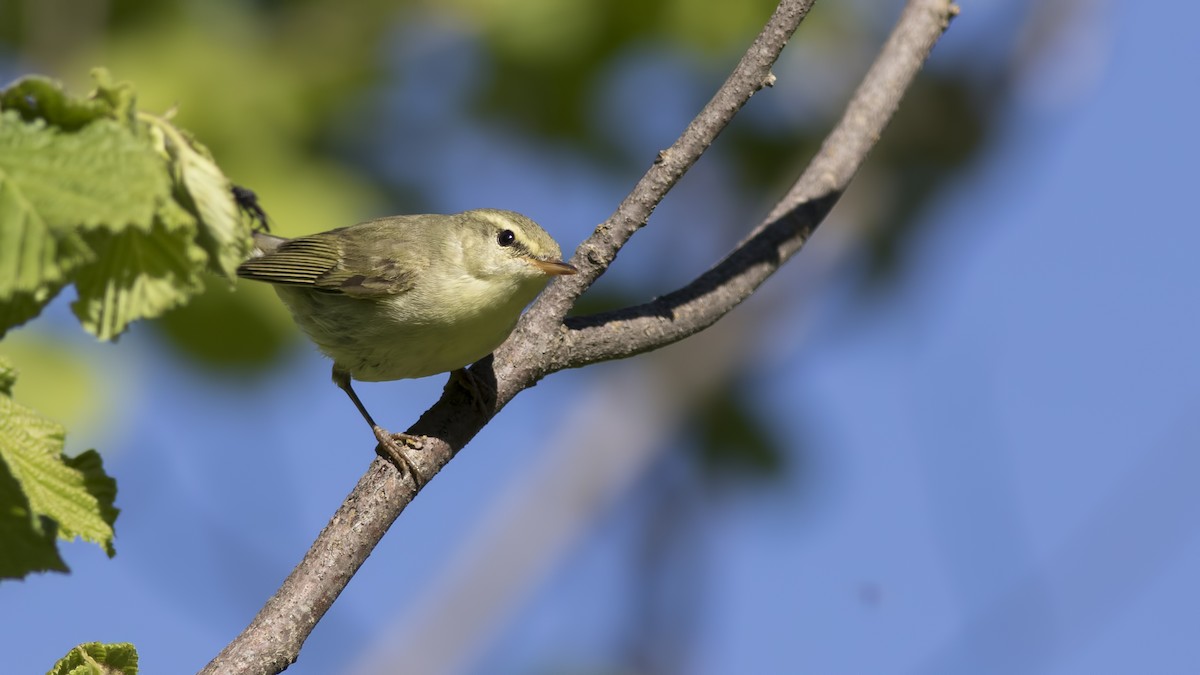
(410,296)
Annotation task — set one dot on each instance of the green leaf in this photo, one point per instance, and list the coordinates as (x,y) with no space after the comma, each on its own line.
(223,233)
(8,377)
(136,275)
(38,97)
(32,256)
(74,492)
(29,541)
(120,97)
(24,305)
(101,495)
(206,193)
(76,176)
(94,658)
(43,493)
(34,261)
(99,176)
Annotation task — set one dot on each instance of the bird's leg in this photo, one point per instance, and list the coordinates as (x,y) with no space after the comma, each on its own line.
(480,390)
(389,447)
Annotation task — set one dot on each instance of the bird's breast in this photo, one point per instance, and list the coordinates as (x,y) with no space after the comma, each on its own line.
(430,329)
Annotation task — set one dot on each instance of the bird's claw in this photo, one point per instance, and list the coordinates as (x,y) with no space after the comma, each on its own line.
(392,448)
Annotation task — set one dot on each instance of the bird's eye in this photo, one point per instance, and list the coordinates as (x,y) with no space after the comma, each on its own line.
(506,238)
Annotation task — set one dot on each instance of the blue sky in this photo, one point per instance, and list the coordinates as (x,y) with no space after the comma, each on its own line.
(1002,451)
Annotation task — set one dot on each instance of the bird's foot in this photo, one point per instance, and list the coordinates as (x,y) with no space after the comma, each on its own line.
(392,447)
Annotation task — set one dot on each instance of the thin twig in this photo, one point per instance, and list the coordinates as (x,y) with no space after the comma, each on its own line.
(752,73)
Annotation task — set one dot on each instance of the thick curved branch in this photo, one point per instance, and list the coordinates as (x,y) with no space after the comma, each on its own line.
(675,316)
(541,343)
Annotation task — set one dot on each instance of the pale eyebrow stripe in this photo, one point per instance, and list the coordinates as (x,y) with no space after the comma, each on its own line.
(522,243)
(500,220)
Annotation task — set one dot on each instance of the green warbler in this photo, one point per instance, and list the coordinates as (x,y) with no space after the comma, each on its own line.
(408,296)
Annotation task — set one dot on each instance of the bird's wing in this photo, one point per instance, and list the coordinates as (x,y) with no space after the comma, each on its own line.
(329,262)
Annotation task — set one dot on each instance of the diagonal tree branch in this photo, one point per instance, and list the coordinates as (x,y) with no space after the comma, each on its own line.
(542,344)
(633,330)
(752,73)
